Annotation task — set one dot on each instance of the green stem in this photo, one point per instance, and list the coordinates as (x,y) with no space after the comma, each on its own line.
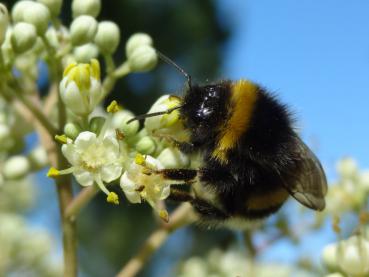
(80,201)
(112,77)
(39,115)
(63,183)
(181,217)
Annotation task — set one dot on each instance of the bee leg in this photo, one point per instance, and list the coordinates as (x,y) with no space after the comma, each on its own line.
(204,208)
(180,195)
(207,210)
(186,175)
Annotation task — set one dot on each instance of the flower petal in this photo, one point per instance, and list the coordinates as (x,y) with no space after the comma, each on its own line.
(83,177)
(70,153)
(111,146)
(128,188)
(84,140)
(165,193)
(111,172)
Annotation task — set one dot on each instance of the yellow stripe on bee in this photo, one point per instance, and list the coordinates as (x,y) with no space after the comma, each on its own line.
(267,200)
(243,97)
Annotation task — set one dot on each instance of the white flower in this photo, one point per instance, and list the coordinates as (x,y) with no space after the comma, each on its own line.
(167,125)
(329,256)
(93,159)
(142,181)
(173,158)
(80,88)
(354,257)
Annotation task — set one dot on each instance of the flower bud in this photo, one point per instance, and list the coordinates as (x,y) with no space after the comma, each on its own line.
(347,167)
(80,88)
(173,158)
(168,125)
(19,8)
(142,59)
(23,37)
(86,52)
(38,158)
(120,122)
(107,37)
(96,124)
(146,146)
(4,21)
(72,130)
(354,259)
(38,15)
(16,167)
(54,6)
(137,40)
(86,7)
(83,30)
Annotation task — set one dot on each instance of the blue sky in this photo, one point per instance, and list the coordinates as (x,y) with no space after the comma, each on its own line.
(315,56)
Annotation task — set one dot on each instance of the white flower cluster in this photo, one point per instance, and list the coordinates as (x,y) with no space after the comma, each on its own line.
(233,262)
(349,257)
(113,149)
(351,190)
(23,249)
(348,196)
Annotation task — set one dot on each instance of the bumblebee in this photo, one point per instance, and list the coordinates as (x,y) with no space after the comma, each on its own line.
(252,158)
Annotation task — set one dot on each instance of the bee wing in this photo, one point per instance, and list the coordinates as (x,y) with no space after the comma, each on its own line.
(309,185)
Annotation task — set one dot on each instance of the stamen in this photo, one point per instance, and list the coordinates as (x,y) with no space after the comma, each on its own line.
(63,139)
(53,172)
(112,198)
(101,185)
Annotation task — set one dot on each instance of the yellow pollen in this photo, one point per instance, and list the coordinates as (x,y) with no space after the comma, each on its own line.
(113,107)
(61,139)
(68,68)
(95,69)
(140,159)
(112,198)
(53,172)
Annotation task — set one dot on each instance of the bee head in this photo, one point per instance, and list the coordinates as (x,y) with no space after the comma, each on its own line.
(204,106)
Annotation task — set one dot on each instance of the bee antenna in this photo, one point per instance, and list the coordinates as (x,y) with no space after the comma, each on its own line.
(172,63)
(143,116)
